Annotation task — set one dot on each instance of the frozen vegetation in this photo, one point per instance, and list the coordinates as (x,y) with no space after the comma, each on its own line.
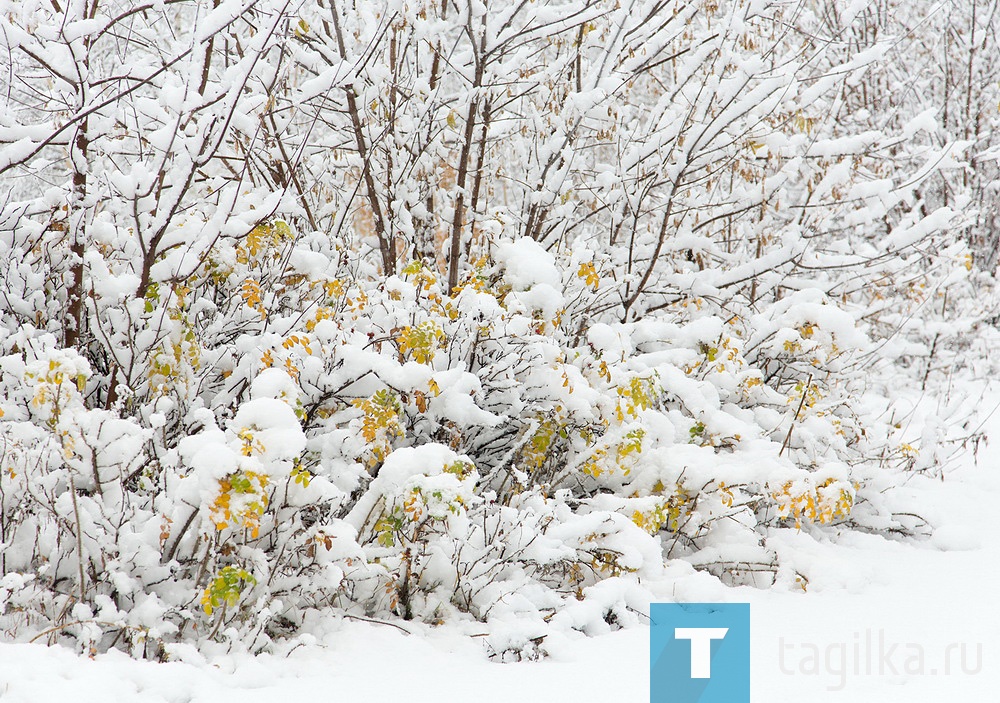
(447,331)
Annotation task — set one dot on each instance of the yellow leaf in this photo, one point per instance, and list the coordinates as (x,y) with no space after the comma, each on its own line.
(589,274)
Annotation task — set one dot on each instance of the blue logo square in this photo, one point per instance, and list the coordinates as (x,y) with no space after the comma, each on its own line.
(699,653)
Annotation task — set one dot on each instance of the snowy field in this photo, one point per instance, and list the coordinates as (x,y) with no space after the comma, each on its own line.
(927,602)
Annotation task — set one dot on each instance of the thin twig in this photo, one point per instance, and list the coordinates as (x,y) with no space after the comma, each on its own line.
(802,400)
(378,622)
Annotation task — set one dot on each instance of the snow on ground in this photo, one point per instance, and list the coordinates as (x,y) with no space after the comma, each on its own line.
(925,601)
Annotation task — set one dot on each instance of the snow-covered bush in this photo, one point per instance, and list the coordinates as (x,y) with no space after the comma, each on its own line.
(316,321)
(400,450)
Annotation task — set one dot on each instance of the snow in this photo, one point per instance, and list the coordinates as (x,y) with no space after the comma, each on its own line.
(260,415)
(527,264)
(402,469)
(934,595)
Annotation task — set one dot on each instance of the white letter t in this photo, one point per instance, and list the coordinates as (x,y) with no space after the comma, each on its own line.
(701,647)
